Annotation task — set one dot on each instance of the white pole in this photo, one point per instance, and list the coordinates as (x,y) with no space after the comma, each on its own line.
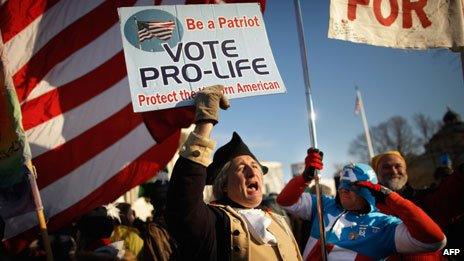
(366,126)
(312,127)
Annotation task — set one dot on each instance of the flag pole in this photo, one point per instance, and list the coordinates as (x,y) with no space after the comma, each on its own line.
(312,123)
(6,79)
(39,211)
(365,125)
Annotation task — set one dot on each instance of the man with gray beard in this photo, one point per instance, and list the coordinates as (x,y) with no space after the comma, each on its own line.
(391,170)
(442,203)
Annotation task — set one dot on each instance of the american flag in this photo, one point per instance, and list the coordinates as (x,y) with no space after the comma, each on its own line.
(357,106)
(67,65)
(160,30)
(358,103)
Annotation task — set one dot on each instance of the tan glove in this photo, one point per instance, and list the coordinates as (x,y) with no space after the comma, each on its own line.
(207,104)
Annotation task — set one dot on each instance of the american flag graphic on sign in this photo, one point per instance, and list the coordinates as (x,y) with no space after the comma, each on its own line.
(160,30)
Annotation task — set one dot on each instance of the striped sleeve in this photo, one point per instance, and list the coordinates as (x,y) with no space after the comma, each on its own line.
(293,199)
(418,232)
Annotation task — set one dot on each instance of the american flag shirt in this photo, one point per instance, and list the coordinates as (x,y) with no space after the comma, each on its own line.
(349,236)
(368,236)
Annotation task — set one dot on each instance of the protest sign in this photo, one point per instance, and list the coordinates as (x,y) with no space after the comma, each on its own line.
(172,52)
(416,24)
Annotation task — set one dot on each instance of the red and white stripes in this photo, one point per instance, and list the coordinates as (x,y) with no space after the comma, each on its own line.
(67,65)
(66,61)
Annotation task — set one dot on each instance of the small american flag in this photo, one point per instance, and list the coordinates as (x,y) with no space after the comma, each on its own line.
(150,29)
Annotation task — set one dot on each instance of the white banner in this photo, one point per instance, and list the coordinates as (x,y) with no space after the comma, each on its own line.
(417,24)
(172,52)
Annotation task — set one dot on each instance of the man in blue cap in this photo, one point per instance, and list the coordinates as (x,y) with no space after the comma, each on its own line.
(355,229)
(231,228)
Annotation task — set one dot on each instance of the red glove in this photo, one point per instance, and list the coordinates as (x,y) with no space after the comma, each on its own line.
(378,191)
(313,161)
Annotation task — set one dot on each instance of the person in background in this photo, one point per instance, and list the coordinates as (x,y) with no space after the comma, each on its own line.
(354,228)
(443,203)
(159,243)
(232,227)
(93,236)
(124,231)
(269,202)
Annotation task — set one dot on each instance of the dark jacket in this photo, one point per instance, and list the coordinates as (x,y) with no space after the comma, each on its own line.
(202,231)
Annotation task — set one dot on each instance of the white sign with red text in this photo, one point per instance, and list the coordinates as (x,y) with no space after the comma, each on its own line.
(172,52)
(417,24)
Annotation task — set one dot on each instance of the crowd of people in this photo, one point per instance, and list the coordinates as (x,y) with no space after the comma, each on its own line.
(110,232)
(375,214)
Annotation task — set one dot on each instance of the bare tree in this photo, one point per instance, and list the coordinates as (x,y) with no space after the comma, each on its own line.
(359,148)
(401,136)
(394,134)
(426,126)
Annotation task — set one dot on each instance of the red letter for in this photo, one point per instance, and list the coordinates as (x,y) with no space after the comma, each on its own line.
(393,12)
(352,4)
(419,8)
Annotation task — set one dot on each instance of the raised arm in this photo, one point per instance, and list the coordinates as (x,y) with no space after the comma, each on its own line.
(189,219)
(289,197)
(418,232)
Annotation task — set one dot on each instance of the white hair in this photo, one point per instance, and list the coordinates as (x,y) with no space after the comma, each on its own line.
(220,182)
